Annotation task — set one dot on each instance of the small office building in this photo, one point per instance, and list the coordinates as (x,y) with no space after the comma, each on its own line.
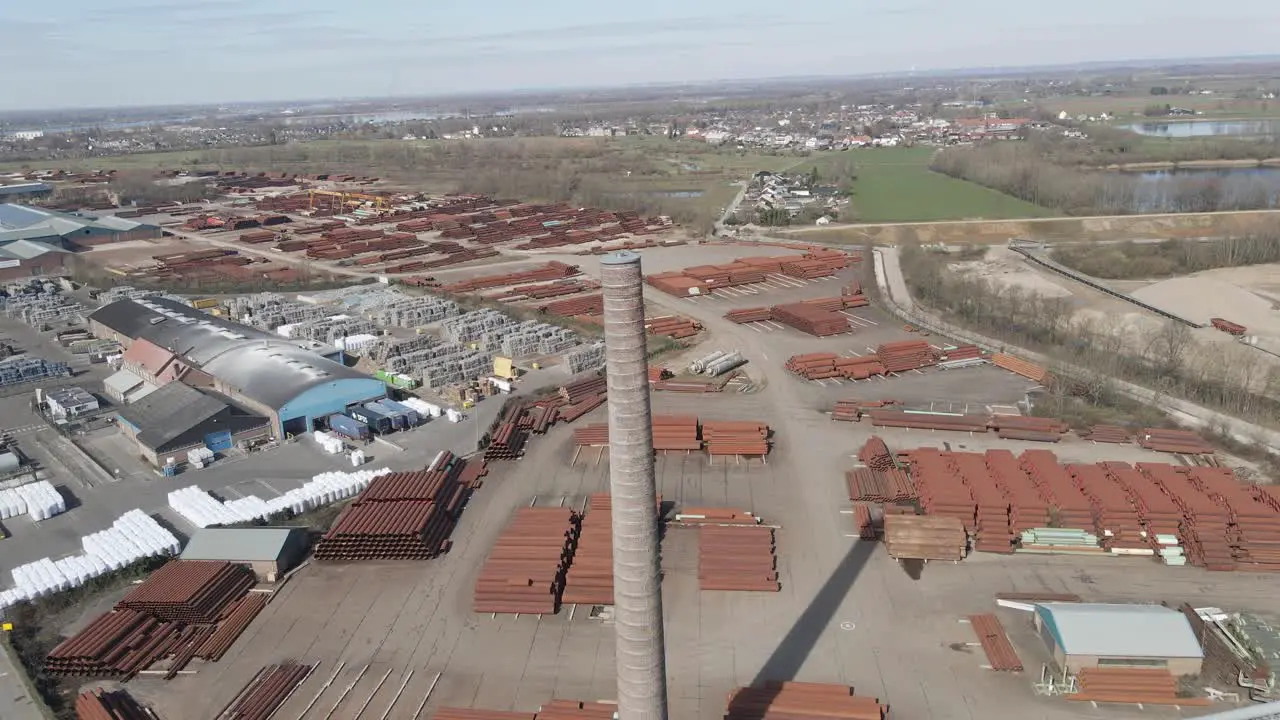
(1086,635)
(269,551)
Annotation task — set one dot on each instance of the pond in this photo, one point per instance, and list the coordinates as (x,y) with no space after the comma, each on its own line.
(1187,189)
(1206,128)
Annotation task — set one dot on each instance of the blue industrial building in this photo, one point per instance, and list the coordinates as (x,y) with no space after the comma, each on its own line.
(294,384)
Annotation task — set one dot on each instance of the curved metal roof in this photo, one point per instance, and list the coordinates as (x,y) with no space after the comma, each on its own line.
(262,367)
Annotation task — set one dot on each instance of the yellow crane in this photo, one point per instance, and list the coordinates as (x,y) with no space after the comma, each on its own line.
(349,198)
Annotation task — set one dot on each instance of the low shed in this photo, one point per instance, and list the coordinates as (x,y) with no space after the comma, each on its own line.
(1085,635)
(270,551)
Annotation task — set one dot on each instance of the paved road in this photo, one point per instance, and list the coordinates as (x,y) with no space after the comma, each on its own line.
(15,702)
(1030,220)
(894,288)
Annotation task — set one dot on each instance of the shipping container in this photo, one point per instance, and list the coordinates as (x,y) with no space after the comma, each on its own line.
(413,417)
(399,421)
(377,421)
(348,427)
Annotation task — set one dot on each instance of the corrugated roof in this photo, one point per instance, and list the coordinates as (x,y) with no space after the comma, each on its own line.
(23,188)
(169,412)
(13,217)
(255,544)
(1130,631)
(19,222)
(148,356)
(27,250)
(264,367)
(121,382)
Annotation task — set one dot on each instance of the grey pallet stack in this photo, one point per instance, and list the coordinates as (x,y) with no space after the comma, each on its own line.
(43,307)
(473,325)
(93,346)
(532,338)
(390,347)
(590,357)
(454,369)
(14,371)
(410,312)
(329,329)
(124,292)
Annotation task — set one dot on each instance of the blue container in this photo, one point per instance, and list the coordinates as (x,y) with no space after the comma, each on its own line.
(412,417)
(398,420)
(377,421)
(348,427)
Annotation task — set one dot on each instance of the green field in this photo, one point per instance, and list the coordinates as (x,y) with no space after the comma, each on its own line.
(896,185)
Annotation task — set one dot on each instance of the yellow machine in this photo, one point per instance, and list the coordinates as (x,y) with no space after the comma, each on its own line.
(504,368)
(348,200)
(205,303)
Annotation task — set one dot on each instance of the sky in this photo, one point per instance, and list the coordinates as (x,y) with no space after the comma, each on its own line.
(108,53)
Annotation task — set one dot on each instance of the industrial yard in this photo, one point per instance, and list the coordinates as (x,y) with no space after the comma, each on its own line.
(468,564)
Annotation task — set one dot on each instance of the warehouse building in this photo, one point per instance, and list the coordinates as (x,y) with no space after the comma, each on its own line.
(70,402)
(1086,635)
(293,383)
(176,418)
(25,192)
(69,231)
(28,258)
(269,551)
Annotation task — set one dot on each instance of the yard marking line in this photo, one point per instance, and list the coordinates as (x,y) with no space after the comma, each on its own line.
(418,713)
(346,692)
(369,699)
(324,687)
(775,324)
(873,322)
(753,327)
(396,699)
(854,353)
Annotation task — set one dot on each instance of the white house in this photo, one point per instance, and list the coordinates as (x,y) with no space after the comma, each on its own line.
(69,402)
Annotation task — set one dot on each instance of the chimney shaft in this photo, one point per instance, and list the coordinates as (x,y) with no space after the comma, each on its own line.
(641,651)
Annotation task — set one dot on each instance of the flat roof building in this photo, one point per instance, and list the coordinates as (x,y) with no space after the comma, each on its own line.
(1085,635)
(171,420)
(293,383)
(69,402)
(270,551)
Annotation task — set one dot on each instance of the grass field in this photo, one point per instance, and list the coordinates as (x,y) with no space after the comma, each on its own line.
(896,185)
(1129,107)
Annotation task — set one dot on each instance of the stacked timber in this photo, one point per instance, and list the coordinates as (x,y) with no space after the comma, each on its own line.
(576,710)
(525,570)
(238,618)
(590,577)
(1137,686)
(1157,511)
(590,305)
(906,355)
(671,326)
(1027,506)
(657,374)
(508,438)
(875,454)
(578,390)
(866,485)
(117,644)
(853,410)
(960,352)
(934,473)
(1071,509)
(190,591)
(995,643)
(921,537)
(102,704)
(749,315)
(1018,366)
(715,516)
(670,432)
(266,692)
(1107,434)
(727,437)
(812,318)
(1018,427)
(819,366)
(864,522)
(453,713)
(774,700)
(739,558)
(922,420)
(569,413)
(1183,442)
(1256,523)
(992,530)
(1117,521)
(713,385)
(403,516)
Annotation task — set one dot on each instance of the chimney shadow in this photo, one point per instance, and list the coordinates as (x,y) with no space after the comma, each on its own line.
(784,663)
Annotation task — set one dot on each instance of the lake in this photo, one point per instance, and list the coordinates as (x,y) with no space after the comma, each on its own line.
(1206,128)
(1168,190)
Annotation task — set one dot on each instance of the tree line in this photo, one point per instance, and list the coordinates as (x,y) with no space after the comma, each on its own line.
(1129,260)
(1024,170)
(1228,377)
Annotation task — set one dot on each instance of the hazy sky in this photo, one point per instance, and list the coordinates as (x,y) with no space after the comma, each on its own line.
(77,53)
